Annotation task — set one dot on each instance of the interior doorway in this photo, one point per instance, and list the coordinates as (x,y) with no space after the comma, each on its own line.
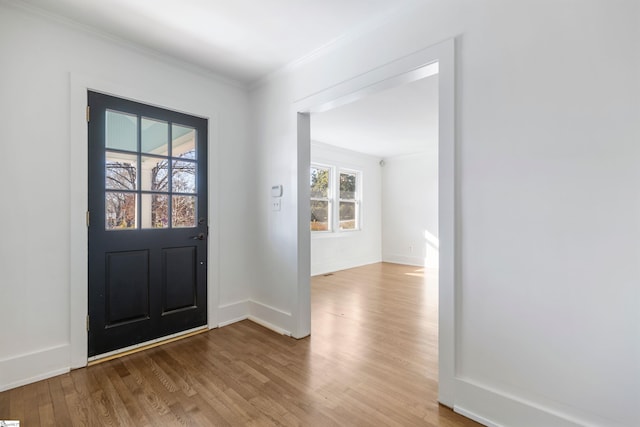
(374,180)
(439,58)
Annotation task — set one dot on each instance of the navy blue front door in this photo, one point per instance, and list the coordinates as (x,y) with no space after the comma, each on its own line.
(147,222)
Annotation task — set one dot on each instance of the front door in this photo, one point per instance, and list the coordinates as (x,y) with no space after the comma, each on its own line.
(147,223)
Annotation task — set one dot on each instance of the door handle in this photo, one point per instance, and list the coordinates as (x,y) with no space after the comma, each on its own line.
(200,236)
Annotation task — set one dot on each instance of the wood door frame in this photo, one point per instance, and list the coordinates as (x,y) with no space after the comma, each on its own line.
(78,203)
(402,70)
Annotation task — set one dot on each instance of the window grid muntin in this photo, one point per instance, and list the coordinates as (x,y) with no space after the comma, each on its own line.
(138,192)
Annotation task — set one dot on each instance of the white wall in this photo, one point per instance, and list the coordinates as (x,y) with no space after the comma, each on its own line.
(547,124)
(38,56)
(341,250)
(410,209)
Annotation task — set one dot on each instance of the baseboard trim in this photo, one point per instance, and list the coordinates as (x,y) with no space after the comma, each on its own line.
(36,366)
(270,317)
(270,326)
(403,259)
(496,408)
(475,417)
(232,313)
(39,365)
(332,267)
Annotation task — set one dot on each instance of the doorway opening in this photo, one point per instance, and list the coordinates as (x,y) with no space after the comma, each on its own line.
(437,59)
(374,180)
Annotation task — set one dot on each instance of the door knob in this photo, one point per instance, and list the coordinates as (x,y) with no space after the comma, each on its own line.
(200,236)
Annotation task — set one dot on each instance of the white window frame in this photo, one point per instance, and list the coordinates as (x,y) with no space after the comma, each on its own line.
(333,199)
(355,200)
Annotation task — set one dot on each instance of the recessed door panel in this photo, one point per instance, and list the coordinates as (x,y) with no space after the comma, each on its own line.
(127,287)
(179,279)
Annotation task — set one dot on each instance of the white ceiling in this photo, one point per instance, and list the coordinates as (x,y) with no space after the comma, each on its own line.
(397,121)
(243,40)
(246,40)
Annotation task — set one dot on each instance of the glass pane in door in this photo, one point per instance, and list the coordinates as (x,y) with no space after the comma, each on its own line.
(154,136)
(120,210)
(121,131)
(120,171)
(183,211)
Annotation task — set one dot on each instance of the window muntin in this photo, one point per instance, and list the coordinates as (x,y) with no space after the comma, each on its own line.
(150,173)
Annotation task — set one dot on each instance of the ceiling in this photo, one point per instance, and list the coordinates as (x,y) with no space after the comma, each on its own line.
(397,121)
(247,40)
(243,40)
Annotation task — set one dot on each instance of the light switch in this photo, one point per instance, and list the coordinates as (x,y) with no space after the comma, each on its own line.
(276,191)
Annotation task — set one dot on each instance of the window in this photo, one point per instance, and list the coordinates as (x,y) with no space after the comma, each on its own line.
(348,208)
(150,173)
(320,202)
(327,204)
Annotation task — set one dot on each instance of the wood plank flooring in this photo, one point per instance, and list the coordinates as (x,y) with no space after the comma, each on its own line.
(371,361)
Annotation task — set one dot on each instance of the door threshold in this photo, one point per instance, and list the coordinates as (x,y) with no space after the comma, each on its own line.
(105,357)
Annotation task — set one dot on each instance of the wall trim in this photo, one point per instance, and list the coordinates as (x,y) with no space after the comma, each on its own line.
(475,417)
(404,259)
(28,368)
(233,312)
(268,325)
(493,407)
(331,267)
(269,317)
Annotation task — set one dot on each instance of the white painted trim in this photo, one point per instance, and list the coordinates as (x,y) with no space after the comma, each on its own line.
(494,407)
(256,312)
(28,368)
(269,325)
(232,313)
(146,343)
(301,310)
(475,417)
(395,73)
(436,59)
(269,317)
(332,267)
(403,259)
(232,321)
(79,85)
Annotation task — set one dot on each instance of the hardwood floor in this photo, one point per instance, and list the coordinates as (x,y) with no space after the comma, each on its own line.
(371,361)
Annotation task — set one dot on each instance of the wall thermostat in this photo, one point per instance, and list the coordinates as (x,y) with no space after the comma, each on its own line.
(276,191)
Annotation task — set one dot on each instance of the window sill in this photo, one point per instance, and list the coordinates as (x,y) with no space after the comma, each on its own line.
(333,234)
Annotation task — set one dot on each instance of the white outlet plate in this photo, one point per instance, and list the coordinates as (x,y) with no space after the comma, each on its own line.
(275,204)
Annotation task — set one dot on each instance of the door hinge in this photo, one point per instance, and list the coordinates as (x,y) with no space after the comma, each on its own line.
(88,218)
(88,112)
(87,323)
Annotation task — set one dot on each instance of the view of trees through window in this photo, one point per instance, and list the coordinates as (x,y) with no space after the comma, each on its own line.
(348,203)
(320,204)
(322,198)
(121,206)
(153,183)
